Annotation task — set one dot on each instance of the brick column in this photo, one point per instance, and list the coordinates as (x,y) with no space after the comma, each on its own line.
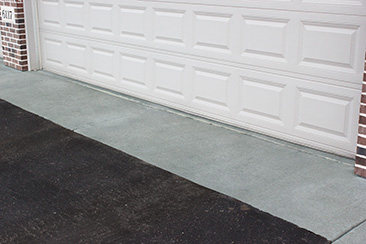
(360,166)
(13,36)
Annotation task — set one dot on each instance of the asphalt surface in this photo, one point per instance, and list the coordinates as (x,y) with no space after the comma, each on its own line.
(57,186)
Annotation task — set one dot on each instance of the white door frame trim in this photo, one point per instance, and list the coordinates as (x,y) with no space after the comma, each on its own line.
(32,33)
(1,49)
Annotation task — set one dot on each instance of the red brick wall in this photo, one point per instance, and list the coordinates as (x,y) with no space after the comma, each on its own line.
(13,36)
(360,167)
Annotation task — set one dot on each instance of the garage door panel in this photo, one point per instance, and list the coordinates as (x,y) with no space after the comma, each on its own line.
(77,57)
(169,78)
(211,89)
(331,116)
(291,74)
(212,32)
(318,51)
(75,15)
(169,26)
(265,38)
(101,18)
(132,22)
(327,113)
(133,70)
(103,62)
(52,11)
(263,100)
(52,52)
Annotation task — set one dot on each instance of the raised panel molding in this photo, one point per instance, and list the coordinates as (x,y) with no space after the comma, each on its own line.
(169,78)
(133,70)
(51,12)
(212,32)
(102,63)
(101,18)
(169,26)
(328,46)
(211,88)
(53,50)
(76,57)
(75,15)
(323,113)
(265,38)
(262,99)
(132,22)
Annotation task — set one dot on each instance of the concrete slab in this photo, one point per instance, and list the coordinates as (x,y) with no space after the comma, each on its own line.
(356,236)
(6,70)
(312,189)
(83,106)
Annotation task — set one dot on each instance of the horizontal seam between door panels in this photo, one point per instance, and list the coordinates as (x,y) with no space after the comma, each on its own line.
(256,68)
(293,9)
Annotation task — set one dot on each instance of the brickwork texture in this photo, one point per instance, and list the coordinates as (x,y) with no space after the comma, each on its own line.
(13,36)
(360,166)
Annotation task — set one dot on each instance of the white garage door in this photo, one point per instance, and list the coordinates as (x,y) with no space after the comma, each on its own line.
(288,68)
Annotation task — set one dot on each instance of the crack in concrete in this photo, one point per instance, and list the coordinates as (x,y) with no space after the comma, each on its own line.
(348,231)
